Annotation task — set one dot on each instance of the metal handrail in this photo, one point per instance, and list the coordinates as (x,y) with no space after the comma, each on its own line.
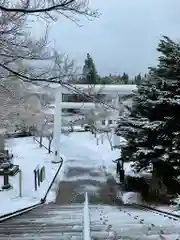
(35,139)
(27,209)
(52,182)
(41,202)
(155,210)
(19,212)
(86,219)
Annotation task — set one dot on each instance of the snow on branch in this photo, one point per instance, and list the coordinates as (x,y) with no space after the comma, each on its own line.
(52,9)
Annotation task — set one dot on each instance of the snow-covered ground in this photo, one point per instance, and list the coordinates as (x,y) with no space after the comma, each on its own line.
(80,149)
(28,156)
(87,144)
(75,148)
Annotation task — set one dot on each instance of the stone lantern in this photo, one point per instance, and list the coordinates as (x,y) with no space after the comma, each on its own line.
(7,168)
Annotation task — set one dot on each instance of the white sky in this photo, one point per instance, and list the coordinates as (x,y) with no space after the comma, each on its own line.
(125,36)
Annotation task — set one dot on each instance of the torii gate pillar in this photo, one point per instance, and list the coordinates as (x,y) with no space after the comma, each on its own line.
(57,125)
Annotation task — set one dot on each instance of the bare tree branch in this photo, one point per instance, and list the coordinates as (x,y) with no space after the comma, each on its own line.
(15,109)
(52,8)
(20,54)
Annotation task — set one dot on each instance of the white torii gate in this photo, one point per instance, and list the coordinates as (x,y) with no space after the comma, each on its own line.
(102,89)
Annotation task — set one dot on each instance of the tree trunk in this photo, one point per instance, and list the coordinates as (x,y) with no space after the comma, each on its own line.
(157,189)
(110,142)
(49,146)
(95,133)
(40,140)
(71,126)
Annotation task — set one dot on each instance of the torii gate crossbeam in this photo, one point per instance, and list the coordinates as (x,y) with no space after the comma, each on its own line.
(103,89)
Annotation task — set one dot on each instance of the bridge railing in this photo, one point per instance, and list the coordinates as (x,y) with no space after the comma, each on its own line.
(86,219)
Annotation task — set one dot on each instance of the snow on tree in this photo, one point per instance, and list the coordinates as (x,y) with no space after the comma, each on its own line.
(168,104)
(20,109)
(153,129)
(31,114)
(143,129)
(19,53)
(45,129)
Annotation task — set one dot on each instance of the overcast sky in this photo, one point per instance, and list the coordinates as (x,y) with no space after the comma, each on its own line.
(125,36)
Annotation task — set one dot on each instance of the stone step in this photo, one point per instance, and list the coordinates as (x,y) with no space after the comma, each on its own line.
(47,222)
(45,229)
(58,222)
(51,236)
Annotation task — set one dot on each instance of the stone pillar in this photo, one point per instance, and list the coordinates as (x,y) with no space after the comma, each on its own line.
(115,138)
(6,184)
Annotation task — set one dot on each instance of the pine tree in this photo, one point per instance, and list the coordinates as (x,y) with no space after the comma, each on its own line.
(154,126)
(142,128)
(89,71)
(168,107)
(138,79)
(125,78)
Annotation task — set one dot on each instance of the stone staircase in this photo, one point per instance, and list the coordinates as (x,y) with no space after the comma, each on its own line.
(50,221)
(57,222)
(66,222)
(115,223)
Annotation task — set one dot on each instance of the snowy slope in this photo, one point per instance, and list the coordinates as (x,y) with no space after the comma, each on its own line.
(28,156)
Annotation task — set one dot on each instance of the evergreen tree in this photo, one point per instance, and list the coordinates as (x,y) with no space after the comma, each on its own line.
(89,71)
(125,78)
(168,105)
(105,80)
(153,129)
(138,79)
(139,130)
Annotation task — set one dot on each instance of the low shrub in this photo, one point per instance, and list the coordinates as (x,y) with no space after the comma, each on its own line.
(149,192)
(18,134)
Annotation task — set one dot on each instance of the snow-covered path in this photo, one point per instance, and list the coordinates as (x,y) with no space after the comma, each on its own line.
(83,168)
(83,172)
